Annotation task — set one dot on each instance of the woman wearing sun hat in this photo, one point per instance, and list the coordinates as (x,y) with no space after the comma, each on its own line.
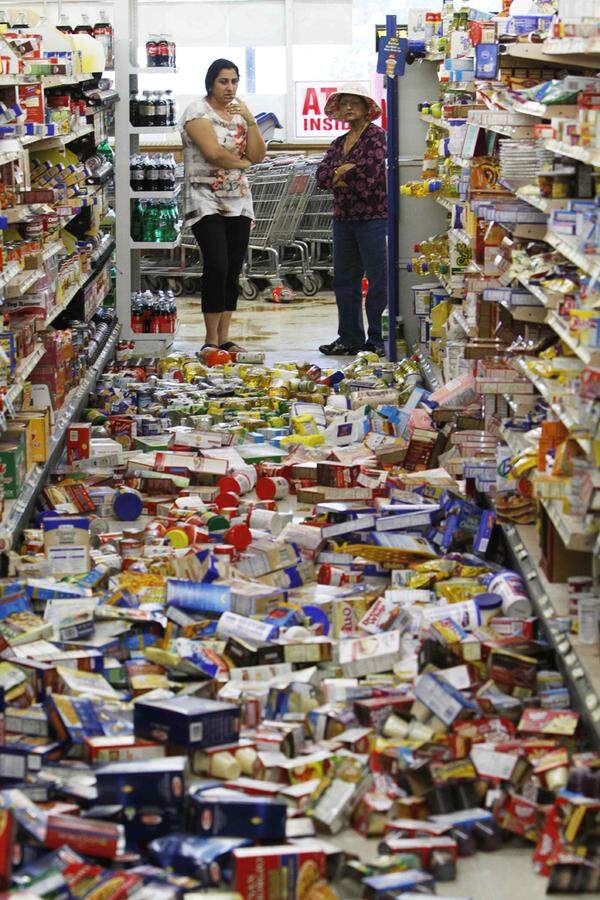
(354,168)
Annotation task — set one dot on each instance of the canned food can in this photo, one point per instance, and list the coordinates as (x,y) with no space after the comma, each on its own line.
(240,482)
(272,488)
(266,520)
(127,504)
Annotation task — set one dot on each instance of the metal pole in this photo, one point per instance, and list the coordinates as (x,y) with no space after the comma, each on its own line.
(289,71)
(122,25)
(392,190)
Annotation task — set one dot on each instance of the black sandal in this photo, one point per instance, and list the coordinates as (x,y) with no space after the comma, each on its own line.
(231,345)
(206,346)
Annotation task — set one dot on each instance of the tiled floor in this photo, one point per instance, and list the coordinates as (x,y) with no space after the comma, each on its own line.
(293,332)
(285,331)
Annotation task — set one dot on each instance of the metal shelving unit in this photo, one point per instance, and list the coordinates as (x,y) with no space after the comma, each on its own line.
(580,663)
(127,138)
(18,512)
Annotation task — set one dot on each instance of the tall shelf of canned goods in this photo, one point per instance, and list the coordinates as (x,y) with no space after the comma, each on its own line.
(57,250)
(505,302)
(127,137)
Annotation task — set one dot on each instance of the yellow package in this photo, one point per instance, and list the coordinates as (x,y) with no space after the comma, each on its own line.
(456,589)
(439,568)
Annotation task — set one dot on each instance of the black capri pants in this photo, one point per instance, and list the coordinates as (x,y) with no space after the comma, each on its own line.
(223,241)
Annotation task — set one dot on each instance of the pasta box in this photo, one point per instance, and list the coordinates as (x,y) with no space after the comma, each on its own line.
(187,721)
(270,873)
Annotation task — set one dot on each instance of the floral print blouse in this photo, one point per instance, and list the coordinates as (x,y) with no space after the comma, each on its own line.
(365,194)
(209,190)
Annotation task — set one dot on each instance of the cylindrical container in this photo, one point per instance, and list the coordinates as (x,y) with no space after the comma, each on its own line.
(512,589)
(227,500)
(177,538)
(227,550)
(334,575)
(589,608)
(246,756)
(489,605)
(465,613)
(239,535)
(224,765)
(266,520)
(249,357)
(240,482)
(272,488)
(577,584)
(127,504)
(130,549)
(214,521)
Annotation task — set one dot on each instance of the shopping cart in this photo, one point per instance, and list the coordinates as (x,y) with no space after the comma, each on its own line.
(280,191)
(314,227)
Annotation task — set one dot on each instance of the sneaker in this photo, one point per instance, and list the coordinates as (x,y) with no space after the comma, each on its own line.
(375,347)
(338,348)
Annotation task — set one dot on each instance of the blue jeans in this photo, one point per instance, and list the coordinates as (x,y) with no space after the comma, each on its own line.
(359,248)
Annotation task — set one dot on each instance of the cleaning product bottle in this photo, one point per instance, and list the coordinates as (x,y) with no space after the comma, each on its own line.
(4,21)
(64,24)
(20,23)
(85,26)
(54,41)
(103,32)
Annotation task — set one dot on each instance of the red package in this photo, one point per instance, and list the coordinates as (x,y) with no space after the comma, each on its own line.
(270,873)
(89,836)
(549,721)
(7,837)
(521,816)
(78,441)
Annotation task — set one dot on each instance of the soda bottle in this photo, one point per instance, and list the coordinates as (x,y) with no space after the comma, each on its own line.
(106,151)
(137,222)
(85,26)
(172,52)
(134,109)
(170,107)
(146,110)
(150,174)
(171,173)
(159,165)
(153,223)
(137,173)
(103,32)
(161,110)
(137,325)
(163,56)
(147,311)
(152,51)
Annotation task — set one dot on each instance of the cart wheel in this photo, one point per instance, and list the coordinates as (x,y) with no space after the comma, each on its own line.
(151,282)
(312,284)
(191,285)
(175,285)
(249,290)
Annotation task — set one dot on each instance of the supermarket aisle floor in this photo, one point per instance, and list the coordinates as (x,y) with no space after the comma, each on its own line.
(291,332)
(285,331)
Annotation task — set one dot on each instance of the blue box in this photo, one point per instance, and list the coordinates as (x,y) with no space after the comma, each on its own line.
(187,721)
(217,812)
(135,782)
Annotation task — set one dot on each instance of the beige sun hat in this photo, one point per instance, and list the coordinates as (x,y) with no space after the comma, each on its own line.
(332,107)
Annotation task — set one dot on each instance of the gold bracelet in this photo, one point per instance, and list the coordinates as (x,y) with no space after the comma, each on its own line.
(250,124)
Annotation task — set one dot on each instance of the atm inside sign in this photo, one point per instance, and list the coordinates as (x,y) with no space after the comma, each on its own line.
(311,121)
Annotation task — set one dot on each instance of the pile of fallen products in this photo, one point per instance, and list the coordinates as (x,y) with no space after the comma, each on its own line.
(252,612)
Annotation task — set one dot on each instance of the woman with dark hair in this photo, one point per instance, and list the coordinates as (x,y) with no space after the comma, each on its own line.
(220,141)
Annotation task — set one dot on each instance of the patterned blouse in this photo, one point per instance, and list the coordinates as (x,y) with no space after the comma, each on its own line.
(209,190)
(365,196)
